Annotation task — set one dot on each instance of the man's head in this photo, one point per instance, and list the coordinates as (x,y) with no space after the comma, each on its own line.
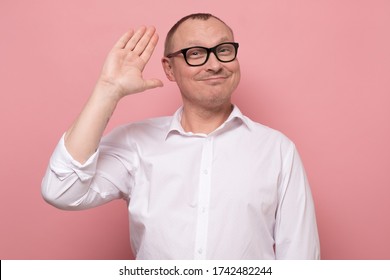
(199,16)
(210,84)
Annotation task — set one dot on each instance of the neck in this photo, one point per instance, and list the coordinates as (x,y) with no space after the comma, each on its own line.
(202,120)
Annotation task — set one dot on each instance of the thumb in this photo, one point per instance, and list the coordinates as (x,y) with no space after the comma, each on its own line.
(153,83)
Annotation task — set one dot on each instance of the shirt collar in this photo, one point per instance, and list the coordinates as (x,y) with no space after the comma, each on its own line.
(175,126)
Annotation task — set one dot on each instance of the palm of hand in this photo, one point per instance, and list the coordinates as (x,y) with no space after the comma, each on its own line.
(126,61)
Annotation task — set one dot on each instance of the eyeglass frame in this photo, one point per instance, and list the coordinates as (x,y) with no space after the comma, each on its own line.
(208,50)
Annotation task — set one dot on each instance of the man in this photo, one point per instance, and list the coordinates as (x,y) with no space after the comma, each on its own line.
(206,183)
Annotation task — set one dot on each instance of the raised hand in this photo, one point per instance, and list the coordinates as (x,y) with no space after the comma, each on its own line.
(122,70)
(121,75)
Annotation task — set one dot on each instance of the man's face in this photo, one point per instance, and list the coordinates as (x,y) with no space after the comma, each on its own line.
(212,84)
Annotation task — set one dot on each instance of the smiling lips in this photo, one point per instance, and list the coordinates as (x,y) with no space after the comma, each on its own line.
(213,78)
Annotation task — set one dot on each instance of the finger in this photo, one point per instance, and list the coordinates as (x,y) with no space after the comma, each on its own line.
(121,43)
(135,38)
(148,51)
(153,83)
(145,40)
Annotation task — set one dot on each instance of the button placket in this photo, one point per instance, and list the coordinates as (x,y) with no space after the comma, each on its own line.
(204,189)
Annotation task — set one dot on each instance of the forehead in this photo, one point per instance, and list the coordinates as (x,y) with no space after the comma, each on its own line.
(201,32)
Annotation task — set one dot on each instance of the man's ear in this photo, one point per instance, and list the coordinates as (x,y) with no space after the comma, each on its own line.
(167,66)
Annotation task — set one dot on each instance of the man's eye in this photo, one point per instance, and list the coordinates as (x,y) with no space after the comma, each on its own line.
(196,53)
(225,51)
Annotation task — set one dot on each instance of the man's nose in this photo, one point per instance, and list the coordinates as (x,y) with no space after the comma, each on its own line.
(213,64)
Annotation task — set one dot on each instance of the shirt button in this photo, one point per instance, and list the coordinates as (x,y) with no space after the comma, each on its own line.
(200,251)
(205,172)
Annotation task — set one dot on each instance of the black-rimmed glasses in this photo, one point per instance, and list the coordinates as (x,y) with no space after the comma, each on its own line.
(197,56)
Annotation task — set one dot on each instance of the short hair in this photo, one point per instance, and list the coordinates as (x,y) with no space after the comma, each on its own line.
(199,16)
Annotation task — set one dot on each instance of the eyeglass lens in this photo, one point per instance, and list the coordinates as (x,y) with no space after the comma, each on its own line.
(198,55)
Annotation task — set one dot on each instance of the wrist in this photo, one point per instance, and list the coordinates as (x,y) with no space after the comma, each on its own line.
(107,91)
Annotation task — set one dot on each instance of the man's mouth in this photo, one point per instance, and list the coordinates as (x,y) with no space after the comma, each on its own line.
(213,78)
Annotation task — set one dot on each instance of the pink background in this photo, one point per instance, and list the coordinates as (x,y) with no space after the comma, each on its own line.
(319,71)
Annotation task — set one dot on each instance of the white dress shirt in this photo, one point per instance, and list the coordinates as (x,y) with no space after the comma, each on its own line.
(239,192)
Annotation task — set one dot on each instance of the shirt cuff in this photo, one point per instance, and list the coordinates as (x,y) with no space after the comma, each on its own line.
(64,165)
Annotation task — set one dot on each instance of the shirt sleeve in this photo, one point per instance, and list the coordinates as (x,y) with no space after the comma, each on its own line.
(296,234)
(70,185)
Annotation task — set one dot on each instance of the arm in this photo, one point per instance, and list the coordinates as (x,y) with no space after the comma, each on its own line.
(78,177)
(296,235)
(121,76)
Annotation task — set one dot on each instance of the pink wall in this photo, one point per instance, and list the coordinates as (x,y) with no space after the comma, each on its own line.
(319,71)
